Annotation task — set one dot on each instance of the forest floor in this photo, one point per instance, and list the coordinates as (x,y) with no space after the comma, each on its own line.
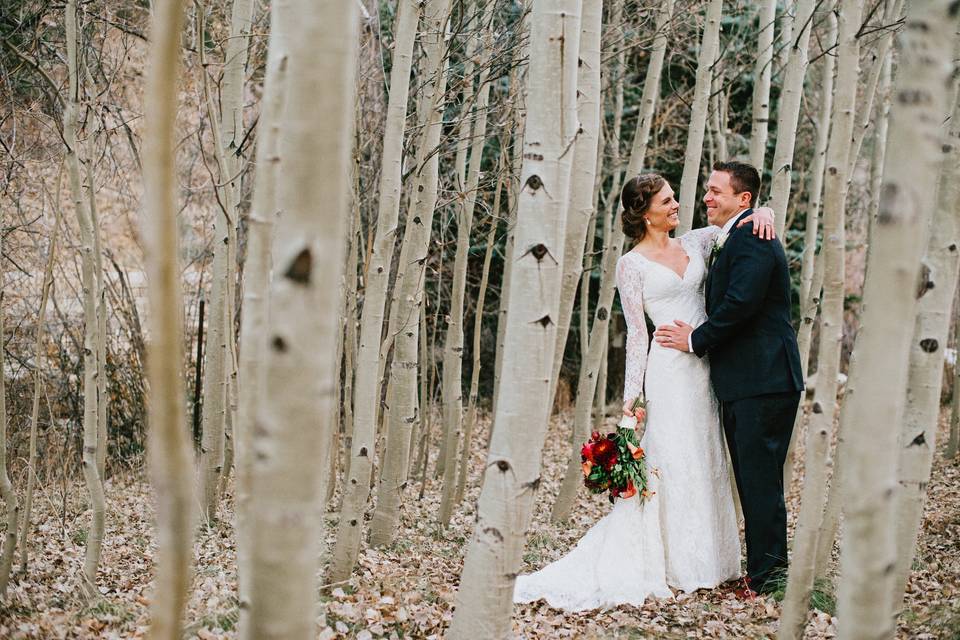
(407,590)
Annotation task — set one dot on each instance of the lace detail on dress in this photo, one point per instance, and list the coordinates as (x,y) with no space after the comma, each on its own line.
(630,286)
(701,239)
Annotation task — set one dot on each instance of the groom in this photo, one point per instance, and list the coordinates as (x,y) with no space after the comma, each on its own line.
(754,362)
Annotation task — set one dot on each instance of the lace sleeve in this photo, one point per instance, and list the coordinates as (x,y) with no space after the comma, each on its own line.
(630,286)
(702,239)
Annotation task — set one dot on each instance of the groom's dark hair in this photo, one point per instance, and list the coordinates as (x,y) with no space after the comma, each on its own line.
(743,177)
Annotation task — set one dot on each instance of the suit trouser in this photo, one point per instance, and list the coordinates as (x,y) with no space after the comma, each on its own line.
(758,432)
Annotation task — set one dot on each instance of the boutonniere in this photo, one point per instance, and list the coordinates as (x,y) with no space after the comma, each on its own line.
(718,243)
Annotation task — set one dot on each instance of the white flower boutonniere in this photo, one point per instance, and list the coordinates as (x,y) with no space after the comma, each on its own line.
(718,243)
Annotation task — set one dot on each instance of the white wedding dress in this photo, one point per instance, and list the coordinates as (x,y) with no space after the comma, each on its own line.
(686,535)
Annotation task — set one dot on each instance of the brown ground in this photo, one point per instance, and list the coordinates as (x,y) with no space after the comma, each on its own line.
(407,590)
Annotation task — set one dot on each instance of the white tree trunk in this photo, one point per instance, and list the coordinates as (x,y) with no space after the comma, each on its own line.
(890,294)
(512,472)
(366,390)
(762,70)
(698,115)
(38,350)
(593,357)
(788,113)
(255,319)
(171,456)
(9,543)
(404,318)
(811,260)
(581,208)
(800,579)
(918,436)
(312,189)
(81,206)
(453,348)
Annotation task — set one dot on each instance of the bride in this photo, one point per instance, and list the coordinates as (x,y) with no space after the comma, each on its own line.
(685,535)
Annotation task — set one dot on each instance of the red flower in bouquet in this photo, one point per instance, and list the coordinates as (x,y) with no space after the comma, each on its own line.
(605,453)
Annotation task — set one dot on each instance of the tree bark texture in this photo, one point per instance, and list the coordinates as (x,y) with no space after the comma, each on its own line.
(512,472)
(762,70)
(919,105)
(698,115)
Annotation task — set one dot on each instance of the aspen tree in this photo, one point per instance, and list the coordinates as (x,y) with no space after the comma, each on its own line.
(762,70)
(953,442)
(170,450)
(800,578)
(254,321)
(88,267)
(811,269)
(471,419)
(227,128)
(404,316)
(518,95)
(366,385)
(593,357)
(38,351)
(788,112)
(919,104)
(581,208)
(292,424)
(918,436)
(9,543)
(453,347)
(698,114)
(512,471)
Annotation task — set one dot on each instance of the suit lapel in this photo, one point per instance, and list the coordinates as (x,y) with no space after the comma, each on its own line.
(715,259)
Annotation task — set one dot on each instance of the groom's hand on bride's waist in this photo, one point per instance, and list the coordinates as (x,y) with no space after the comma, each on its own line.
(674,336)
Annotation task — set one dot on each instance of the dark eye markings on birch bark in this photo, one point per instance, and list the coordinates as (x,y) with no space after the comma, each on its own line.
(299,270)
(545,321)
(540,251)
(279,344)
(929,345)
(924,281)
(919,440)
(534,181)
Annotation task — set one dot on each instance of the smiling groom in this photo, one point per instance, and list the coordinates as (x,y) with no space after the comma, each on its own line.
(754,363)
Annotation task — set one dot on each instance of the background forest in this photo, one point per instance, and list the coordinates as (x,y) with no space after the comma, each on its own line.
(260,262)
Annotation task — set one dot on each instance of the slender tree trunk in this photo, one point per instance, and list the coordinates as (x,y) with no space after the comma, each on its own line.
(350,340)
(366,392)
(811,269)
(698,114)
(471,420)
(171,459)
(81,206)
(599,335)
(800,579)
(255,319)
(918,436)
(9,544)
(788,113)
(512,472)
(312,190)
(25,527)
(892,13)
(890,295)
(405,313)
(581,208)
(453,348)
(953,442)
(762,70)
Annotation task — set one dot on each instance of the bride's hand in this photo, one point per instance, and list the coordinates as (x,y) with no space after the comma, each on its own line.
(639,414)
(762,218)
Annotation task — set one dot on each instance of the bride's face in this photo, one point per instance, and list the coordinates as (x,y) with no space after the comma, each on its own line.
(663,212)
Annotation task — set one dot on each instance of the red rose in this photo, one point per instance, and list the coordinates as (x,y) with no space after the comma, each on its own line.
(586,453)
(595,436)
(605,454)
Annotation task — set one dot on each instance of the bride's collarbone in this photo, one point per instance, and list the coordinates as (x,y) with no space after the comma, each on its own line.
(673,257)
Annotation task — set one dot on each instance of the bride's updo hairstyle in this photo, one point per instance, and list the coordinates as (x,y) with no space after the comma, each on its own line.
(636,197)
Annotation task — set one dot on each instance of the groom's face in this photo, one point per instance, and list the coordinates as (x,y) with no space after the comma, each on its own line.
(722,203)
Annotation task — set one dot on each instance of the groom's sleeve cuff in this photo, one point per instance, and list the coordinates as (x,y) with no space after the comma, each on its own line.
(690,342)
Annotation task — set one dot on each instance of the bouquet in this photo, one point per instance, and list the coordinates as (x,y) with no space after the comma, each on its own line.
(615,462)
